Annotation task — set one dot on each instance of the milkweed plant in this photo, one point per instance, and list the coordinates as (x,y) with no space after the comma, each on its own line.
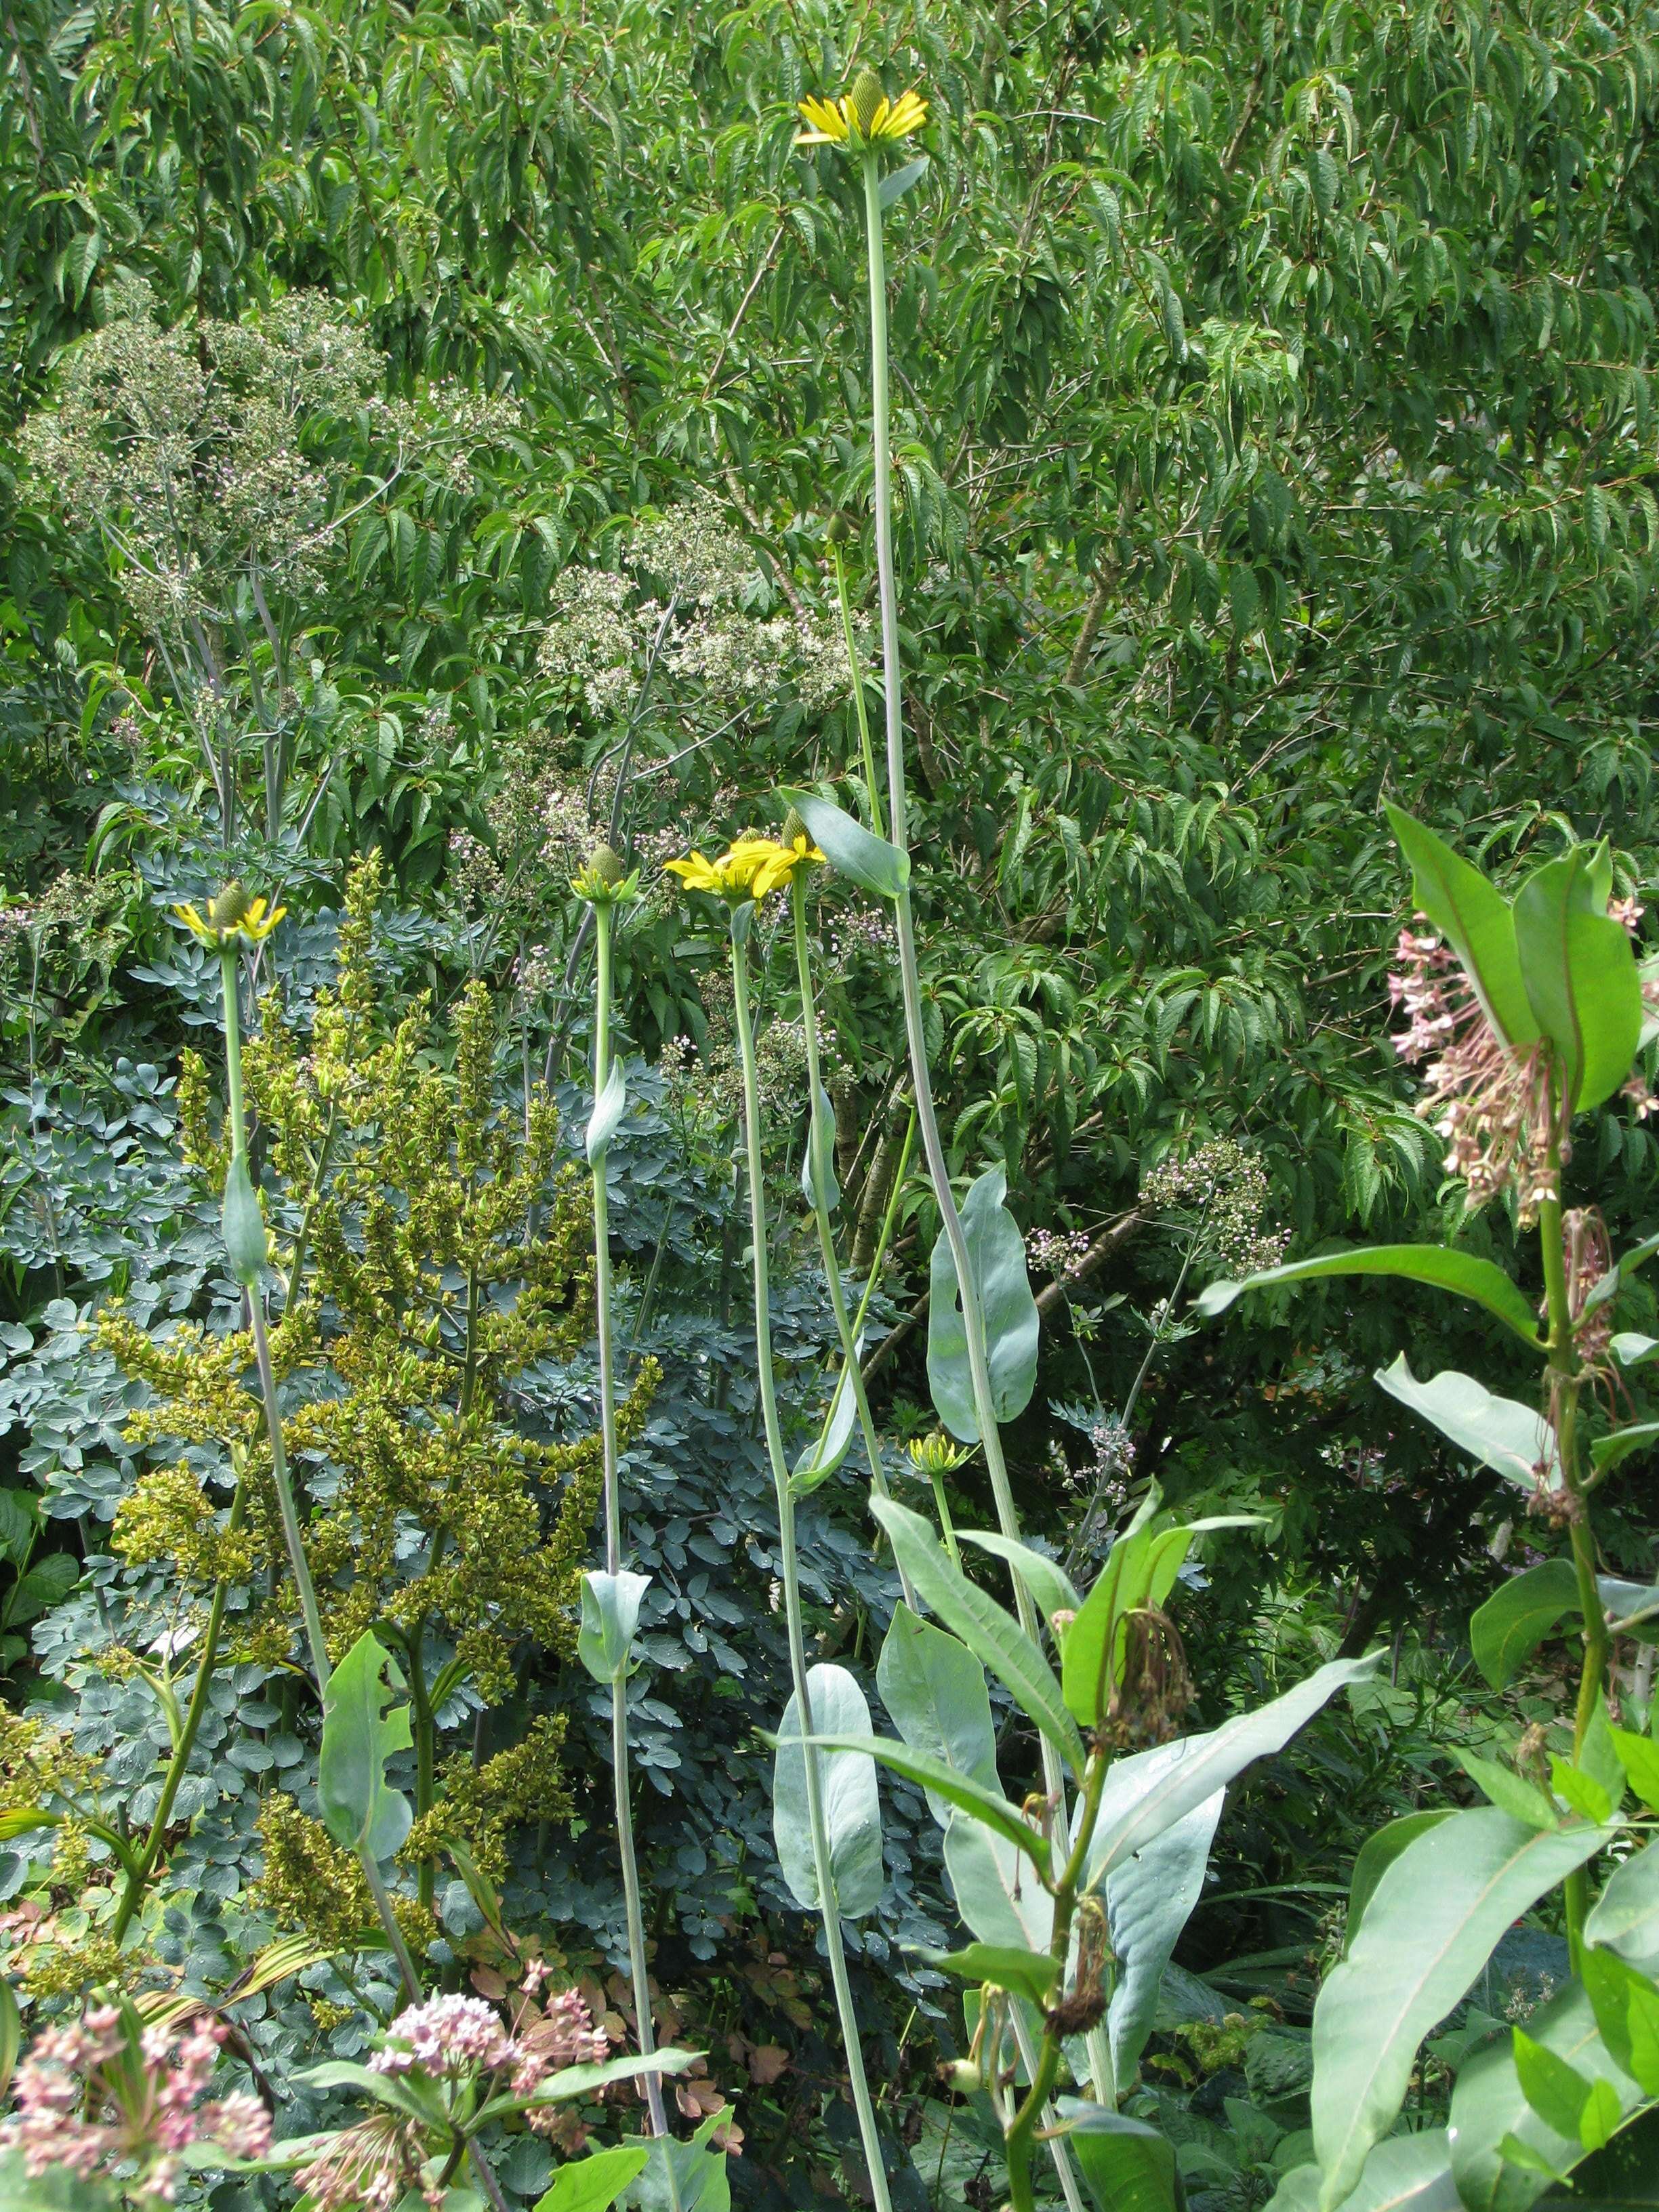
(1073,1870)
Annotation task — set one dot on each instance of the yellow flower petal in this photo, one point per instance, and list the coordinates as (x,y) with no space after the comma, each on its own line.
(828,120)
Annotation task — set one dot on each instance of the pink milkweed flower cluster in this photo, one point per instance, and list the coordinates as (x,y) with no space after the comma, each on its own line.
(452,2040)
(108,2092)
(1496,1107)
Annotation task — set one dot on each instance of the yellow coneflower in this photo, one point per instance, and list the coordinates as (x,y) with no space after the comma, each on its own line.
(750,867)
(863,117)
(231,918)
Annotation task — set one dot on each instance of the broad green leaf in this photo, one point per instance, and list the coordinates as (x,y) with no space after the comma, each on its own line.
(1460,1272)
(1626,2007)
(47,1583)
(1602,2117)
(1407,2174)
(847,1792)
(934,1688)
(360,1808)
(1030,1974)
(1580,1791)
(1511,1439)
(1579,971)
(11,2032)
(1500,1785)
(1630,1349)
(1000,1641)
(1639,1757)
(851,849)
(1149,1896)
(986,1806)
(1553,2088)
(1092,1655)
(1625,1917)
(1128,2166)
(1488,2107)
(610,1616)
(1618,1273)
(608,1110)
(817,1166)
(1622,1600)
(1410,2173)
(572,2081)
(830,1446)
(1431,1926)
(683,2177)
(1514,1621)
(243,1225)
(594,2183)
(1008,1312)
(1609,1452)
(1475,919)
(1048,1584)
(1378,1853)
(1213,1760)
(409,2094)
(994,1888)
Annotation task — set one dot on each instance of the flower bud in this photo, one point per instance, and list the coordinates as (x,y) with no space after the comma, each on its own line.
(607,865)
(794,828)
(838,529)
(229,908)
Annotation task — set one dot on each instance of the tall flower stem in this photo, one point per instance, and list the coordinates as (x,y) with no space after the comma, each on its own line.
(861,708)
(818,1138)
(299,1565)
(604,911)
(1565,1383)
(822,1873)
(910,976)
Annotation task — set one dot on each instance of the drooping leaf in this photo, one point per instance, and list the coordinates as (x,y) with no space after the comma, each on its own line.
(610,1617)
(1428,1930)
(982,1623)
(1625,1601)
(1579,971)
(608,1110)
(1510,1439)
(850,1798)
(897,182)
(817,1166)
(359,1807)
(1149,1896)
(1630,1349)
(1008,1314)
(1030,1974)
(851,849)
(934,1688)
(1505,1631)
(989,1806)
(1475,919)
(1213,1759)
(820,1458)
(1462,1273)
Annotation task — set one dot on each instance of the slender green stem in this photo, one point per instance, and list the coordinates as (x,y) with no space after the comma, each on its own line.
(933,1147)
(817,1141)
(861,708)
(139,1876)
(638,1970)
(1565,1383)
(823,1872)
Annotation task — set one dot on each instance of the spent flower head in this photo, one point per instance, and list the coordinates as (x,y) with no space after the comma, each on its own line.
(862,118)
(232,919)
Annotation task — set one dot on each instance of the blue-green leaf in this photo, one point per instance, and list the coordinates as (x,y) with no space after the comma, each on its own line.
(1511,1439)
(851,849)
(847,1793)
(934,1689)
(608,1109)
(1002,1288)
(610,1616)
(360,1808)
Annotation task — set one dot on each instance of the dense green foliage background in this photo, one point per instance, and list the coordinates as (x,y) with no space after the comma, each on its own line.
(1276,432)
